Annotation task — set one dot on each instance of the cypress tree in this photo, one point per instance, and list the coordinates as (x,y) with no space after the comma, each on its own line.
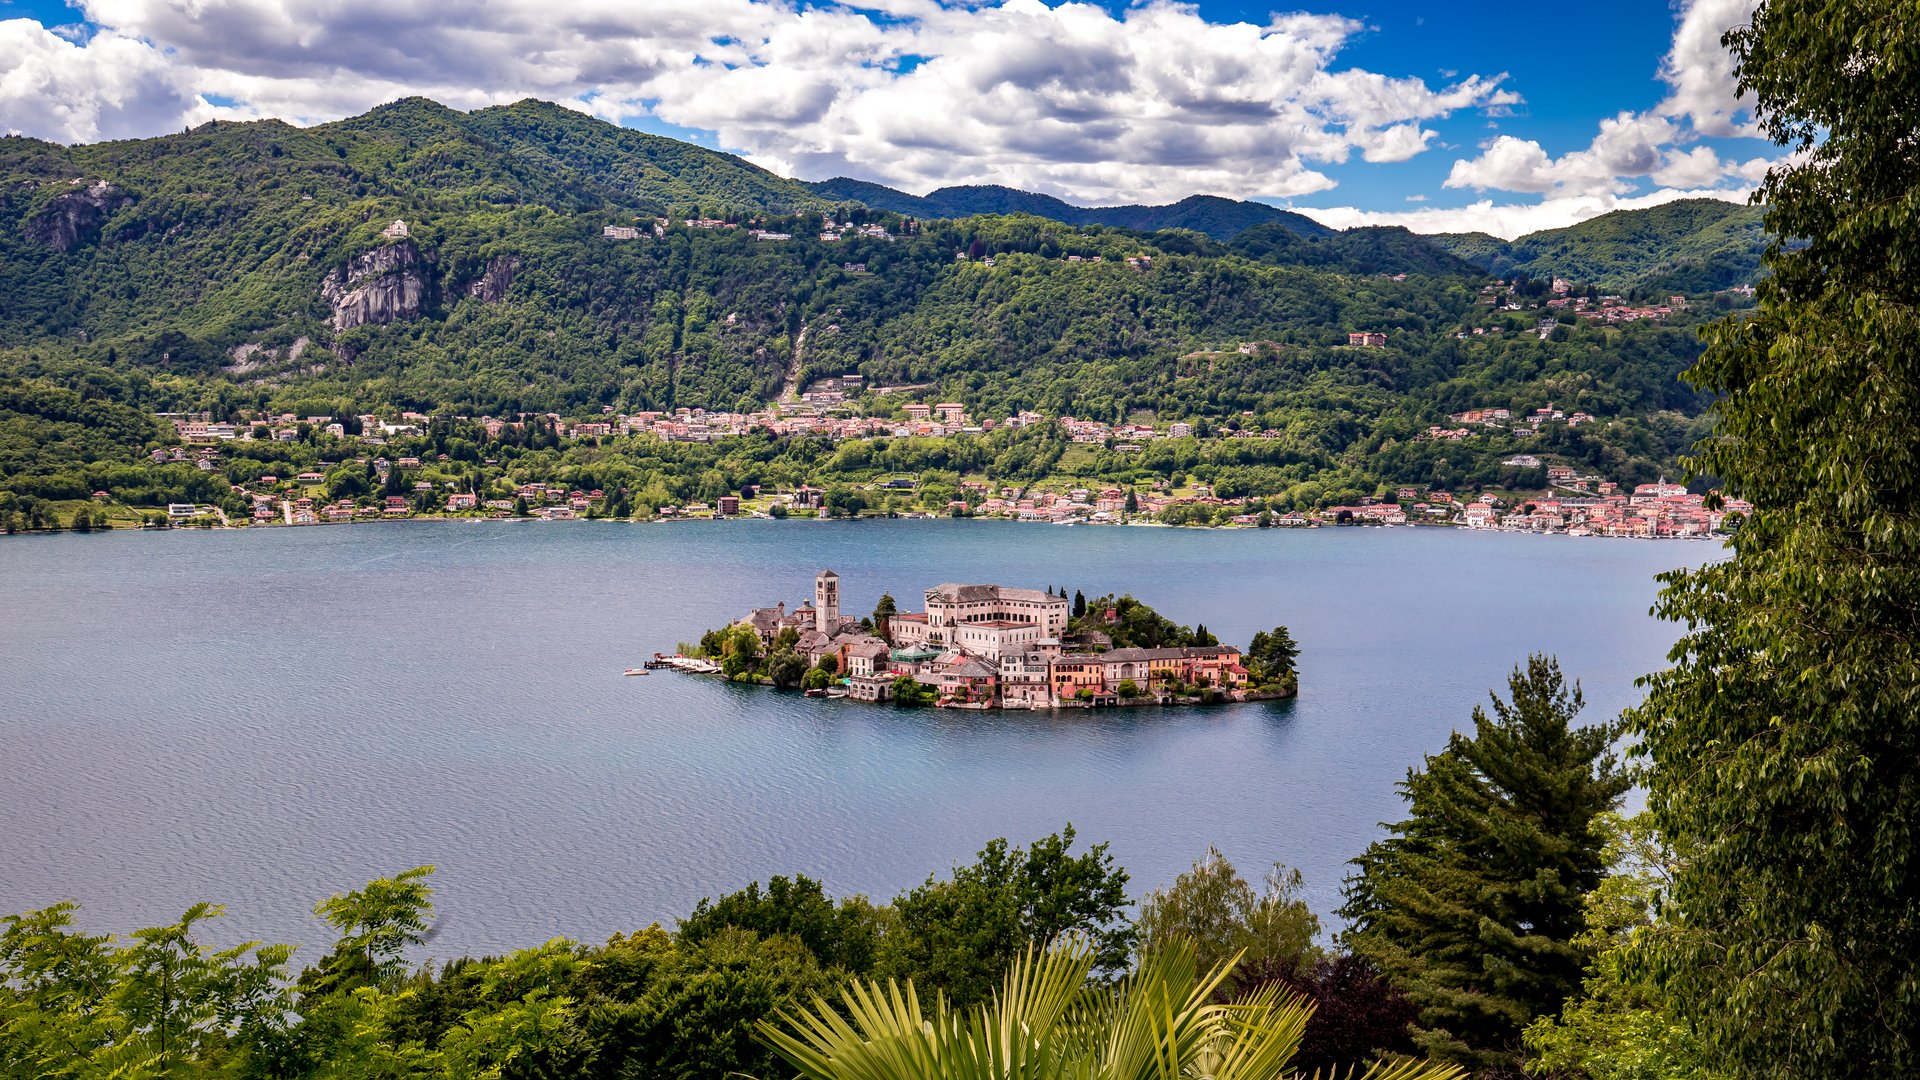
(1473,905)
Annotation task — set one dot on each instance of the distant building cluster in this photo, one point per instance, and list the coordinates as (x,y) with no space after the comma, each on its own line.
(991,647)
(1652,511)
(1526,426)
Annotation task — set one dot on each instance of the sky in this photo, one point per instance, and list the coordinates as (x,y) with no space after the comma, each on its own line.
(1452,117)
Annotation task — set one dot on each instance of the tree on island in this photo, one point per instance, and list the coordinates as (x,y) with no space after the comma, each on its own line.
(1079,604)
(909,691)
(1784,744)
(1135,625)
(1474,906)
(786,668)
(883,613)
(740,652)
(1271,655)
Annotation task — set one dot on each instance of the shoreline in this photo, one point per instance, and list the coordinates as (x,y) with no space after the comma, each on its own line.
(1145,701)
(756,518)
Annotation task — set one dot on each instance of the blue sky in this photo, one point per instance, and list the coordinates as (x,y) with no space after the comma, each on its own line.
(1435,116)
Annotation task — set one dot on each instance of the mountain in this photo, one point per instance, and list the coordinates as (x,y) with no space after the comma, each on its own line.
(1219,218)
(1693,245)
(634,166)
(505,261)
(1366,250)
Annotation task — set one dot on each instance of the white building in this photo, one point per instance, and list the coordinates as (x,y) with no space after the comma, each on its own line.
(985,615)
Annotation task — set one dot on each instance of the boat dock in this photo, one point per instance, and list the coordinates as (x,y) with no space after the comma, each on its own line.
(689,664)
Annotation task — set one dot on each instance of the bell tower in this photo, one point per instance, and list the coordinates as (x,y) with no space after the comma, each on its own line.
(826,602)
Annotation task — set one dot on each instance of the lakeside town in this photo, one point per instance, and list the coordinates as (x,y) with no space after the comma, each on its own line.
(1570,500)
(987,647)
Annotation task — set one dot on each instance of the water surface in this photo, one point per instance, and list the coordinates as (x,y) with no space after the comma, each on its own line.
(264,718)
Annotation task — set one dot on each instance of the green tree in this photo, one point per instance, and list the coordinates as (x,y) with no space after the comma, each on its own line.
(909,691)
(841,936)
(1079,605)
(376,925)
(1215,908)
(1271,656)
(1474,906)
(962,933)
(740,652)
(1784,743)
(1128,689)
(1621,1026)
(829,663)
(695,1015)
(158,1005)
(816,679)
(883,613)
(787,668)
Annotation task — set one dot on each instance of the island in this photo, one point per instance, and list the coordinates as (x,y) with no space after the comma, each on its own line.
(991,647)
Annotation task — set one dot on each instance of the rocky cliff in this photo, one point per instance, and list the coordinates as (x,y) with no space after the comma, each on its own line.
(75,217)
(386,285)
(491,286)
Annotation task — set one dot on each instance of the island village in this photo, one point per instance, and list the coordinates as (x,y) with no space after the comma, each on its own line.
(978,647)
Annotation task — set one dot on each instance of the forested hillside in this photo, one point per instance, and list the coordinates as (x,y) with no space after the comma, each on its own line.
(1219,218)
(418,258)
(1694,245)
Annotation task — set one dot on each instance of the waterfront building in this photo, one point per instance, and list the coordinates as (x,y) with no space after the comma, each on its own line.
(990,646)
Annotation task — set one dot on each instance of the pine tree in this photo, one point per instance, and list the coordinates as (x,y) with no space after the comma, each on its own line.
(1472,907)
(1079,604)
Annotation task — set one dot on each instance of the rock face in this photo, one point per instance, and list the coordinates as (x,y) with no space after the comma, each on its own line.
(491,286)
(386,285)
(75,217)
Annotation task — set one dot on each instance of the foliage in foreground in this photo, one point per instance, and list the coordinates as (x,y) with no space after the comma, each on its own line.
(1474,906)
(649,1004)
(1160,1022)
(1784,743)
(1622,1026)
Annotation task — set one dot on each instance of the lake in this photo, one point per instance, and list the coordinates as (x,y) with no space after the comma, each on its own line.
(266,717)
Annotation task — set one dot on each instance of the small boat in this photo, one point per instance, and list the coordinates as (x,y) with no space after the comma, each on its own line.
(636,671)
(818,691)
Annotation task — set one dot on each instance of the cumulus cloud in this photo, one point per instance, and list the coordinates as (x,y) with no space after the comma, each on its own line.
(1698,69)
(1509,220)
(109,87)
(1069,98)
(1630,148)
